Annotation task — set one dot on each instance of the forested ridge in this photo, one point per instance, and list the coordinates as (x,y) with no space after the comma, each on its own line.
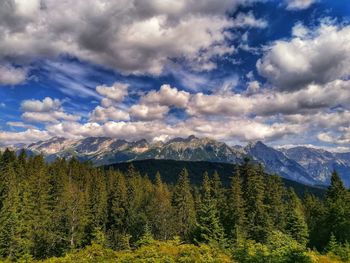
(69,211)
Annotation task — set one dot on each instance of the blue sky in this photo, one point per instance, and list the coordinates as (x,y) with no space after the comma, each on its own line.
(233,70)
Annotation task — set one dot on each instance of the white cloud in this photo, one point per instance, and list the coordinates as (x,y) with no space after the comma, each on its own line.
(299,4)
(116,92)
(12,76)
(248,20)
(167,96)
(129,36)
(148,112)
(28,136)
(253,87)
(47,110)
(332,138)
(203,104)
(52,116)
(101,114)
(46,105)
(20,124)
(319,55)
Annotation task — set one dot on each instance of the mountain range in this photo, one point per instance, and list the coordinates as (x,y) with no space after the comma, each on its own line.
(301,164)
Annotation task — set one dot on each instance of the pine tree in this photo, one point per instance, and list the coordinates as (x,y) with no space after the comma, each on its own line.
(236,218)
(183,203)
(12,243)
(116,209)
(258,225)
(96,196)
(274,200)
(209,229)
(337,218)
(314,210)
(296,226)
(160,211)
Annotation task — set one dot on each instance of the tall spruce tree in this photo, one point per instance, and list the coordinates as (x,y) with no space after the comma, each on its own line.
(209,229)
(337,217)
(161,211)
(275,196)
(236,218)
(258,223)
(296,226)
(185,214)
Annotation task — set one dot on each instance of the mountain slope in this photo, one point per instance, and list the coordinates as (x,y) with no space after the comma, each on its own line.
(302,164)
(275,161)
(170,169)
(319,164)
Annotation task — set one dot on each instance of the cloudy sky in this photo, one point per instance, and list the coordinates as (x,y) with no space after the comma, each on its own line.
(233,70)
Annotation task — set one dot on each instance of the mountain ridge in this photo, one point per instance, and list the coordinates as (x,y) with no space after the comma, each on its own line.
(302,164)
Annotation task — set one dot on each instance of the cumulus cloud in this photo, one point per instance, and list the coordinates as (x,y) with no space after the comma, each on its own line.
(148,112)
(129,36)
(28,136)
(203,104)
(231,129)
(333,138)
(101,114)
(167,96)
(51,116)
(116,92)
(47,110)
(12,76)
(46,105)
(316,56)
(299,4)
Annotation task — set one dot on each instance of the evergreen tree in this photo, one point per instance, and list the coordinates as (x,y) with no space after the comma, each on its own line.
(183,203)
(160,211)
(258,225)
(337,218)
(117,209)
(236,218)
(209,229)
(274,200)
(295,223)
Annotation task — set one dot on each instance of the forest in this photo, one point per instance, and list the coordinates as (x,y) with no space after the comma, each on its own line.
(71,211)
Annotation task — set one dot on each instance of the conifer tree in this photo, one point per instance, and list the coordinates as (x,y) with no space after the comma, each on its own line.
(337,217)
(183,202)
(209,229)
(258,225)
(274,200)
(160,211)
(117,209)
(296,226)
(236,218)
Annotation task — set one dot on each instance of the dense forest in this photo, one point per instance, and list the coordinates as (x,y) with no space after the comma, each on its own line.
(69,211)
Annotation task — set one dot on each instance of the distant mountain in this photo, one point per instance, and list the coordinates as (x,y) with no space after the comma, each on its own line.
(301,164)
(276,161)
(319,164)
(103,150)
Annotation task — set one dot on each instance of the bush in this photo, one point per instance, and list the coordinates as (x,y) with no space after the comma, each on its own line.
(280,248)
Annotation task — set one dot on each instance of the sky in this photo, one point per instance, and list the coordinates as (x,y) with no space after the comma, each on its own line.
(232,70)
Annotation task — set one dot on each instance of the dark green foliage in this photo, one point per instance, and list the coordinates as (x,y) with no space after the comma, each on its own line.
(209,229)
(338,210)
(296,226)
(49,210)
(235,218)
(184,209)
(170,170)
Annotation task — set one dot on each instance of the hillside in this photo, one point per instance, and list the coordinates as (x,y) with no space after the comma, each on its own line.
(170,169)
(302,164)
